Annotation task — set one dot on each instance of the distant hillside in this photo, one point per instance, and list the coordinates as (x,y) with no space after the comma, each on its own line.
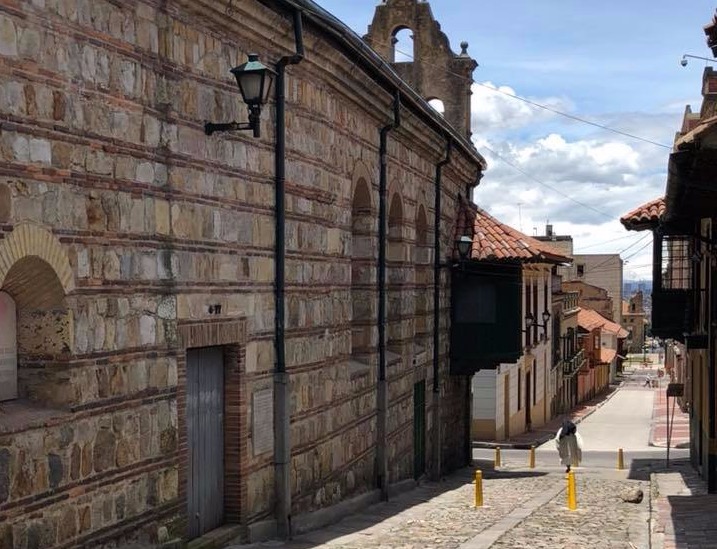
(629,287)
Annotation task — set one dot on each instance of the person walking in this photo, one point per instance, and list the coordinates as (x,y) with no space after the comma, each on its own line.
(569,445)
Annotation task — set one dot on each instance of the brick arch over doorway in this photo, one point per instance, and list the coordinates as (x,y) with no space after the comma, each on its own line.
(21,253)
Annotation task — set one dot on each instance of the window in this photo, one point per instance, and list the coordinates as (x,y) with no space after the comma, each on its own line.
(581,269)
(438,105)
(535,384)
(597,342)
(403,45)
(519,384)
(528,301)
(536,316)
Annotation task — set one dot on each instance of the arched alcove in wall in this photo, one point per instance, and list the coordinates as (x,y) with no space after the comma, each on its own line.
(422,260)
(362,267)
(35,277)
(395,273)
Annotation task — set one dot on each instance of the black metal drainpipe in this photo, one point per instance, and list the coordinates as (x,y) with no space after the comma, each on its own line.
(437,425)
(282,446)
(382,404)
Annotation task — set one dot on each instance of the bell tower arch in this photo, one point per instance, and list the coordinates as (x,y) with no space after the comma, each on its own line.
(431,68)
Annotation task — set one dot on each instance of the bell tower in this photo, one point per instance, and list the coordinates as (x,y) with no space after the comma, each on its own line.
(432,68)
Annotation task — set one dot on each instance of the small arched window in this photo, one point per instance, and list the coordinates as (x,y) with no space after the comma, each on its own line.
(438,105)
(403,47)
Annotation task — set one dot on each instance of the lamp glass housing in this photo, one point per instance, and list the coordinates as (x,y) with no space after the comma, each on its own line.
(546,317)
(254,80)
(529,319)
(464,243)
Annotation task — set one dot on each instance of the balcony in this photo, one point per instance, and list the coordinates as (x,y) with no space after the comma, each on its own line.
(485,317)
(671,313)
(570,301)
(572,366)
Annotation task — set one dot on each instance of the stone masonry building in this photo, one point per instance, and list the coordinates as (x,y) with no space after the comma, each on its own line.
(139,267)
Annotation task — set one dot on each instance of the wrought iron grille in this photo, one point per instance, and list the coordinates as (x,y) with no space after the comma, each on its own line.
(677,262)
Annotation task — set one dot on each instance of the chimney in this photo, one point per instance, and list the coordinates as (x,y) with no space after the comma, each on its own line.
(548,230)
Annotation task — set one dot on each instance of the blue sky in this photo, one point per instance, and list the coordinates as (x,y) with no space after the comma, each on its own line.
(613,62)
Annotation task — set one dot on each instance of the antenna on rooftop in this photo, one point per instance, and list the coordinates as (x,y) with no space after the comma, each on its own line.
(520,217)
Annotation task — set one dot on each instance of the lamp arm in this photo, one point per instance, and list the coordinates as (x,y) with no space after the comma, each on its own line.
(253,124)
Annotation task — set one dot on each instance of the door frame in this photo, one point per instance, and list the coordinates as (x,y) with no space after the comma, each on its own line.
(528,399)
(232,336)
(506,406)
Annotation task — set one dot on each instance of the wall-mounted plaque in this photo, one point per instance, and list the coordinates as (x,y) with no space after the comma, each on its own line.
(262,424)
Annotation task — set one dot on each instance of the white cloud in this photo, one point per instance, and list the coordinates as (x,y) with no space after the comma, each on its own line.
(580,181)
(494,111)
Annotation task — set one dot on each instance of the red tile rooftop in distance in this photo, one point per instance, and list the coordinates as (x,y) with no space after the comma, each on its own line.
(644,216)
(495,241)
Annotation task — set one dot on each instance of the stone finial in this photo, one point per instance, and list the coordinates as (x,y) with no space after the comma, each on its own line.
(711,32)
(464,48)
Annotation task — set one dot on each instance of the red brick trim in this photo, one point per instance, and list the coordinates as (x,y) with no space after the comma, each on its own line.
(231,335)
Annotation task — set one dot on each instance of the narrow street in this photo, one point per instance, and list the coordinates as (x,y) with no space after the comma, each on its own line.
(525,507)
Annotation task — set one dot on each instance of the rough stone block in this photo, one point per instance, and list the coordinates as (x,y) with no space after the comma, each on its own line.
(8,37)
(56,469)
(4,477)
(103,453)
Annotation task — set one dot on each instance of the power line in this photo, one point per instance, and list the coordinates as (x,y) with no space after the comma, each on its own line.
(541,106)
(573,117)
(531,176)
(608,241)
(595,268)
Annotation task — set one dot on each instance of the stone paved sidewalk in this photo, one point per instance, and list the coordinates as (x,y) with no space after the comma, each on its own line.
(684,514)
(658,432)
(522,509)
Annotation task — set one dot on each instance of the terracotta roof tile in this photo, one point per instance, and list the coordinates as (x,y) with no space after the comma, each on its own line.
(590,320)
(495,241)
(646,216)
(606,355)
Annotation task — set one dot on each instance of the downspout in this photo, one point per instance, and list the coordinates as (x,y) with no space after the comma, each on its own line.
(382,404)
(711,375)
(437,423)
(282,442)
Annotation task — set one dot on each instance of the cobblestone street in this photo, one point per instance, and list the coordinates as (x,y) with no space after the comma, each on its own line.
(522,509)
(602,519)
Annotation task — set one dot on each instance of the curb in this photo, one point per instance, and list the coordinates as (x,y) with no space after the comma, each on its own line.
(489,445)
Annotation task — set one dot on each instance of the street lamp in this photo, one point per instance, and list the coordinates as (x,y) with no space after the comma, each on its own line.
(464,245)
(683,61)
(254,80)
(529,322)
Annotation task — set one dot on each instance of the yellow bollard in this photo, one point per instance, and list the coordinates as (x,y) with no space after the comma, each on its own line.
(497,457)
(620,460)
(572,495)
(479,488)
(531,462)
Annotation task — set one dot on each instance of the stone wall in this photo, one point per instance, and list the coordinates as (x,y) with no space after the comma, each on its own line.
(102,146)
